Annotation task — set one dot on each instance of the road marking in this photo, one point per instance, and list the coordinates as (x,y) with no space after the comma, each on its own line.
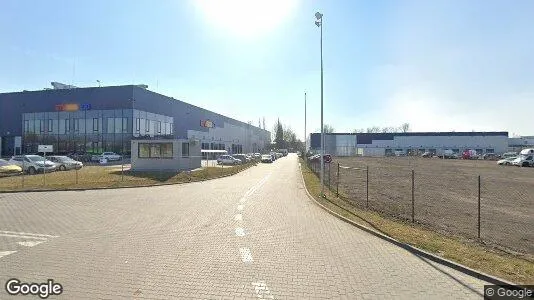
(240,207)
(238,217)
(6,253)
(262,290)
(30,243)
(246,256)
(257,186)
(26,233)
(23,236)
(240,231)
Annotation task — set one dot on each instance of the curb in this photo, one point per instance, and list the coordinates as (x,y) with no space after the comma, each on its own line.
(416,251)
(118,187)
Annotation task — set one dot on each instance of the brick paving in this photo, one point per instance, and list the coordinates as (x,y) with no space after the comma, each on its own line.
(181,242)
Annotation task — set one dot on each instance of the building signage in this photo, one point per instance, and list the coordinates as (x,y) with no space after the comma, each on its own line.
(207,123)
(73,106)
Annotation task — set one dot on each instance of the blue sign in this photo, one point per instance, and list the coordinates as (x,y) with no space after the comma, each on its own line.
(85,106)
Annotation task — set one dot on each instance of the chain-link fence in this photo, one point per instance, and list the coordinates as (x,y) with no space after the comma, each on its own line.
(115,173)
(473,199)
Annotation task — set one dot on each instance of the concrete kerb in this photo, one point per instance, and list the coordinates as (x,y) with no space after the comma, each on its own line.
(412,249)
(120,187)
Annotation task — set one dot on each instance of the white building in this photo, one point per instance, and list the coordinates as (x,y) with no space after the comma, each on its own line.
(382,144)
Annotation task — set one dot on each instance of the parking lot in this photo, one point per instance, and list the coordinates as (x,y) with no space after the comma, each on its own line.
(445,195)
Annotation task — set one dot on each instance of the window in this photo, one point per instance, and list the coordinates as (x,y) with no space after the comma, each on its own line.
(185,149)
(26,125)
(124,124)
(155,150)
(67,125)
(50,125)
(95,124)
(137,124)
(147,125)
(41,126)
(159,126)
(76,124)
(170,128)
(165,128)
(490,151)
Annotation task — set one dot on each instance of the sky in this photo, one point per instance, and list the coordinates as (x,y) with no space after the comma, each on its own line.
(438,65)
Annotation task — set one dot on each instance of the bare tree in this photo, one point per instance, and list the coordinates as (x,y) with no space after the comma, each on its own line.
(328,128)
(405,127)
(374,129)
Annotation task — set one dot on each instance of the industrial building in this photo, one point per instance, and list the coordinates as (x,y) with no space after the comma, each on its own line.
(384,144)
(98,119)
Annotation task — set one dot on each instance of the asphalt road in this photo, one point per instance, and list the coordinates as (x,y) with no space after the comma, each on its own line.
(252,235)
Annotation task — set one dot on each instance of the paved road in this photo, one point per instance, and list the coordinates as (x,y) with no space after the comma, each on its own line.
(253,235)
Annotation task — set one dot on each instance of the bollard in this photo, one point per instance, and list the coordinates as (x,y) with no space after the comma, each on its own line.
(329,176)
(413,198)
(122,168)
(367,186)
(76,175)
(478,206)
(23,171)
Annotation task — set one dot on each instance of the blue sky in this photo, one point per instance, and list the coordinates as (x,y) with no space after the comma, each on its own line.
(438,65)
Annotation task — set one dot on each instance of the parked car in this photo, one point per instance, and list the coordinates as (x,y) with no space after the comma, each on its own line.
(241,157)
(227,160)
(65,163)
(509,154)
(266,158)
(525,158)
(33,163)
(427,154)
(7,168)
(327,158)
(273,155)
(284,152)
(279,155)
(257,155)
(506,161)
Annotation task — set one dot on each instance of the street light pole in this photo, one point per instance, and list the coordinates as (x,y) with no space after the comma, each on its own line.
(305,133)
(319,23)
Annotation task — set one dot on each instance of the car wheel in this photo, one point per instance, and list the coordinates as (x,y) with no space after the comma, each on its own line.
(62,168)
(31,170)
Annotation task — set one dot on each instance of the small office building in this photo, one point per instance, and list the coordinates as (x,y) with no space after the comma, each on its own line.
(167,155)
(97,119)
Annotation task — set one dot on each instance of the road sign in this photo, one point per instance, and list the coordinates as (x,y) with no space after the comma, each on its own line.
(45,148)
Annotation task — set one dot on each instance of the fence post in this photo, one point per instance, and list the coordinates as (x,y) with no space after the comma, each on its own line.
(367,186)
(413,198)
(478,206)
(337,181)
(329,167)
(23,170)
(122,167)
(76,175)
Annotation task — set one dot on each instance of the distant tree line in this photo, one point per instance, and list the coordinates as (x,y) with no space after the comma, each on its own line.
(285,138)
(375,129)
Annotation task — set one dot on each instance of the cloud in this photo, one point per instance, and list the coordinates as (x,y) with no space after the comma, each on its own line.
(454,67)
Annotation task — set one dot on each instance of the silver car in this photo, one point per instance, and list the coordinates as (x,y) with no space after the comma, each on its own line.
(65,163)
(32,164)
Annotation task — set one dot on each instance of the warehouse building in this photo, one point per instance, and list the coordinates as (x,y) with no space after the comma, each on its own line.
(98,119)
(384,144)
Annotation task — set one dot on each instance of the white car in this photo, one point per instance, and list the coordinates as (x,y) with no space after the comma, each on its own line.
(266,158)
(108,156)
(32,164)
(228,160)
(506,161)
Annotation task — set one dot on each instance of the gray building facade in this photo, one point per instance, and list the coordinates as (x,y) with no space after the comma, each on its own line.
(98,119)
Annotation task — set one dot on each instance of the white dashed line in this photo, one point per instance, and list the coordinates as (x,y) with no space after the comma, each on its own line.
(26,233)
(240,231)
(6,253)
(262,290)
(238,217)
(246,256)
(30,243)
(240,207)
(23,236)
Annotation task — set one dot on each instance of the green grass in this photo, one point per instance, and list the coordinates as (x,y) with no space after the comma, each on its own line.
(102,177)
(473,254)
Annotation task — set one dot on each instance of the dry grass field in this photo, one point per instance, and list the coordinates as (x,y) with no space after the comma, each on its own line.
(446,195)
